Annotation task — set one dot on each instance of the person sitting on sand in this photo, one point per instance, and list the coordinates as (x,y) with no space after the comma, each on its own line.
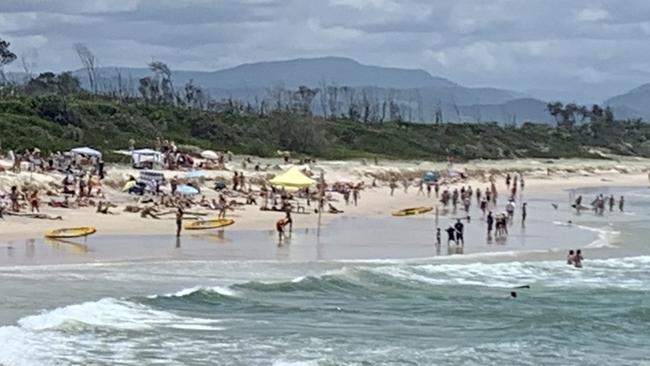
(132,209)
(333,210)
(61,204)
(150,211)
(104,208)
(250,199)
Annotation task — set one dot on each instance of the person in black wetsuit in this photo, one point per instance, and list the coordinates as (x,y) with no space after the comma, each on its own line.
(459,232)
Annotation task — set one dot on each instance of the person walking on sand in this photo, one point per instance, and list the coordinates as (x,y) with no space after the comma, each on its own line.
(179,221)
(420,188)
(392,186)
(438,239)
(621,203)
(428,190)
(436,188)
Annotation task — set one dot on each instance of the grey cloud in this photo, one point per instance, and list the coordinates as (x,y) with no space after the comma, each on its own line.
(577,46)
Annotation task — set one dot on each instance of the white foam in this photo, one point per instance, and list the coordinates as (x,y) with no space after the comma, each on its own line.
(619,272)
(106,313)
(605,237)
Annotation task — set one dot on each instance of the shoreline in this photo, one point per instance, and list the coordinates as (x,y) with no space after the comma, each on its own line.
(375,202)
(128,237)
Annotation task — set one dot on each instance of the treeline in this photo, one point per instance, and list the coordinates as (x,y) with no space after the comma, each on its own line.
(53,112)
(58,122)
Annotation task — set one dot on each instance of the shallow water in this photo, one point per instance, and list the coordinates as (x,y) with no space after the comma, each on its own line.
(332,308)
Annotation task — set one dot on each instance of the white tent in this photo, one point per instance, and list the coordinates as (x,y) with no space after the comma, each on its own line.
(86,151)
(144,155)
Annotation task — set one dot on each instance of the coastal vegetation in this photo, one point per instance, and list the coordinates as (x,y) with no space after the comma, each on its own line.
(53,112)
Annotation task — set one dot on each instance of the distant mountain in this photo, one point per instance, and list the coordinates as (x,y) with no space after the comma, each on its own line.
(633,104)
(416,91)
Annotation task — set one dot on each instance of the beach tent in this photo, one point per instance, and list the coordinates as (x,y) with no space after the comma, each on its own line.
(86,151)
(210,155)
(144,155)
(293,178)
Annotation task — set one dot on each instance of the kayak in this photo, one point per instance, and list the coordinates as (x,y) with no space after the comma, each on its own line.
(74,232)
(209,224)
(412,211)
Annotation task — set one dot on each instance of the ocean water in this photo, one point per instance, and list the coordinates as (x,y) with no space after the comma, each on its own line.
(437,310)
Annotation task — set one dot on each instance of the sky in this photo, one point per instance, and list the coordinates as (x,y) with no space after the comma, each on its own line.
(584,51)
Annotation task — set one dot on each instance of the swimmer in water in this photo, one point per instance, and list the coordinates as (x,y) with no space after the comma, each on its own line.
(569,257)
(577,260)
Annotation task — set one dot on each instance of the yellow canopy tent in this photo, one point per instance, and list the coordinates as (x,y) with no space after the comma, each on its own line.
(292,178)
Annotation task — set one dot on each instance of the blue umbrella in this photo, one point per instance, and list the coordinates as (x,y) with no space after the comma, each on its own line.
(185,189)
(430,177)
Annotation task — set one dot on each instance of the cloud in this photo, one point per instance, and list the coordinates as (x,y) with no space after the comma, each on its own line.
(518,44)
(592,15)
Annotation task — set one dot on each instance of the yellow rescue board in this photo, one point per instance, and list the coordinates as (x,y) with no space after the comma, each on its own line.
(412,211)
(73,232)
(209,224)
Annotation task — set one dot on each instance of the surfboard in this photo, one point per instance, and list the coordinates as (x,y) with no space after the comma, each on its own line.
(74,232)
(209,224)
(412,211)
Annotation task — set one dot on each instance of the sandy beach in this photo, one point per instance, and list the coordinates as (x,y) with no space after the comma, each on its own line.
(549,180)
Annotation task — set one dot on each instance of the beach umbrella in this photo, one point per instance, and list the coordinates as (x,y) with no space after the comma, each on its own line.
(209,154)
(292,178)
(430,177)
(186,190)
(194,174)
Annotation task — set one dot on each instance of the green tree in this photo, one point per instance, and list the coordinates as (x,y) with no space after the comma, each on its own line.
(6,57)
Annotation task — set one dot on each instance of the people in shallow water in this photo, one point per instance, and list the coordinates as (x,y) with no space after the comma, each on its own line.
(574,259)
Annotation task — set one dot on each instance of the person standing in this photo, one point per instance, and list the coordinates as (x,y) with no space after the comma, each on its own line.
(459,233)
(451,234)
(621,203)
(577,259)
(612,202)
(288,220)
(524,213)
(490,224)
(179,221)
